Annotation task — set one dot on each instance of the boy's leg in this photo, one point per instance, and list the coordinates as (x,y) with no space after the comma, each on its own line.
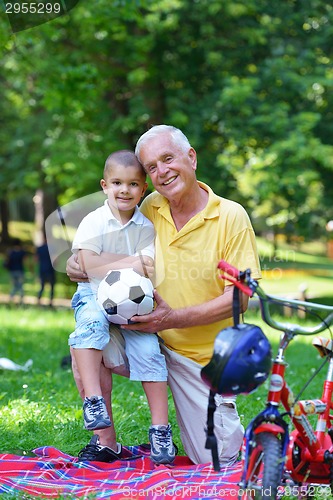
(88,362)
(107,437)
(190,395)
(146,362)
(162,448)
(107,449)
(87,341)
(157,397)
(148,365)
(103,446)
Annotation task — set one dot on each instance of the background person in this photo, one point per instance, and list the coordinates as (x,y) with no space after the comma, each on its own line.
(14,263)
(195,228)
(46,272)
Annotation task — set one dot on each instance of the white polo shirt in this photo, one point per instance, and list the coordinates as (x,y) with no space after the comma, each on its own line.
(100,231)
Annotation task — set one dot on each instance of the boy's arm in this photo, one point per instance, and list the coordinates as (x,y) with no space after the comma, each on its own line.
(97,266)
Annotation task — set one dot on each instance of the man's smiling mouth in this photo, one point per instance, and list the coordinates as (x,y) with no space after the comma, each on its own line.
(169,181)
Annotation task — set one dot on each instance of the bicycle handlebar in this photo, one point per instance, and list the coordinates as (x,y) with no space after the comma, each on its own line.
(235,277)
(250,286)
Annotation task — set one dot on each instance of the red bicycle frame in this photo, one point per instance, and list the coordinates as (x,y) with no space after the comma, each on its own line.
(307,453)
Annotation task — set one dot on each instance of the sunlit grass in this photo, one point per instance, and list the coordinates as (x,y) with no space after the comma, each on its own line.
(295,268)
(42,406)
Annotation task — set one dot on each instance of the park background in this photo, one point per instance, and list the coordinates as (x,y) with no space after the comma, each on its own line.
(251,85)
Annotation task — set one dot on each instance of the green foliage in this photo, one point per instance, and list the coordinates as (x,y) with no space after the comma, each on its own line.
(249,82)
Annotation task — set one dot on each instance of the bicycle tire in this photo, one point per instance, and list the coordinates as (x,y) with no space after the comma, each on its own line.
(264,472)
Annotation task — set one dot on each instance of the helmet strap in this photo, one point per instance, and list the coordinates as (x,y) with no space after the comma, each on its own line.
(236,305)
(211,442)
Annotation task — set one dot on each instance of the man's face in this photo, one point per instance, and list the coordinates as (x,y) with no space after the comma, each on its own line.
(171,169)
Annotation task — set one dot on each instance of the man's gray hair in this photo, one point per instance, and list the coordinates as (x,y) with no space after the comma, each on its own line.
(178,137)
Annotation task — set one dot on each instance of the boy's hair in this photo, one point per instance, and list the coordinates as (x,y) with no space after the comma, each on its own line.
(125,158)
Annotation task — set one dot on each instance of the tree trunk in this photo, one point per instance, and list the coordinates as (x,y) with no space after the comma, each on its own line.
(45,203)
(4,214)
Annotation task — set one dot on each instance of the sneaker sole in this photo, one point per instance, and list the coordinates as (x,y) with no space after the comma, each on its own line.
(162,462)
(99,425)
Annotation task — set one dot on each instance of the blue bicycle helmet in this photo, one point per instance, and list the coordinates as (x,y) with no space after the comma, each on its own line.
(241,361)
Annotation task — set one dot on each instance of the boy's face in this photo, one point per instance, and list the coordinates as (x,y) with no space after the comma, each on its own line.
(124,187)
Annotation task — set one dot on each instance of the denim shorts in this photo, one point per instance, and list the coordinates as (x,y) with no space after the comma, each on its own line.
(92,326)
(143,358)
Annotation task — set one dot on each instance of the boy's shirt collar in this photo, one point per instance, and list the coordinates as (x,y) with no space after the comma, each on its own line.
(137,217)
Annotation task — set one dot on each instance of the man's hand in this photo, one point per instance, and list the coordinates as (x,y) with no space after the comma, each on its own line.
(162,318)
(165,318)
(74,271)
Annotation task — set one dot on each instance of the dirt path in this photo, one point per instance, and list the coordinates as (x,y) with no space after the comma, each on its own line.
(29,300)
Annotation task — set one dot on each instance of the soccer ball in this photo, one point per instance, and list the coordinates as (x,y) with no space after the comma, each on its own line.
(125,293)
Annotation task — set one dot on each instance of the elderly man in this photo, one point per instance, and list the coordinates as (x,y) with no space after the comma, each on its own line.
(195,228)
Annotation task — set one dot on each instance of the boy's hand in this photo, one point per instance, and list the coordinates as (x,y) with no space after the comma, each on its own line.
(145,266)
(74,271)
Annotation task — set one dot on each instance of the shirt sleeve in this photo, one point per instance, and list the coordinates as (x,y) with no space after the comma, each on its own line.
(241,248)
(89,236)
(146,245)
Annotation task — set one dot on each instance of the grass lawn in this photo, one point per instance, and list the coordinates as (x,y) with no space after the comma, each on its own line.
(294,268)
(42,407)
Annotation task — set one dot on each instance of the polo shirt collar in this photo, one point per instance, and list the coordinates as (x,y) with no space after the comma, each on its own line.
(137,217)
(210,211)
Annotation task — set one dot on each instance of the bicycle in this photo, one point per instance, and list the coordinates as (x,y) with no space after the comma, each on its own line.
(275,461)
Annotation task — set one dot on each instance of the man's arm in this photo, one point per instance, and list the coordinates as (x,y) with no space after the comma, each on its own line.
(164,317)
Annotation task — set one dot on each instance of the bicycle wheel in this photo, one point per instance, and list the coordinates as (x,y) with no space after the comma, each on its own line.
(264,469)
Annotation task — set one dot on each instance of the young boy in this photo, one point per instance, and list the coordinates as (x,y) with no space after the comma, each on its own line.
(117,236)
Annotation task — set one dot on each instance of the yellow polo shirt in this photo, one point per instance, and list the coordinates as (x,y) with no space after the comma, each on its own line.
(186,263)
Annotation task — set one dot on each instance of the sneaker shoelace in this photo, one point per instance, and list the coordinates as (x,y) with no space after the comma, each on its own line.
(161,436)
(89,451)
(96,407)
